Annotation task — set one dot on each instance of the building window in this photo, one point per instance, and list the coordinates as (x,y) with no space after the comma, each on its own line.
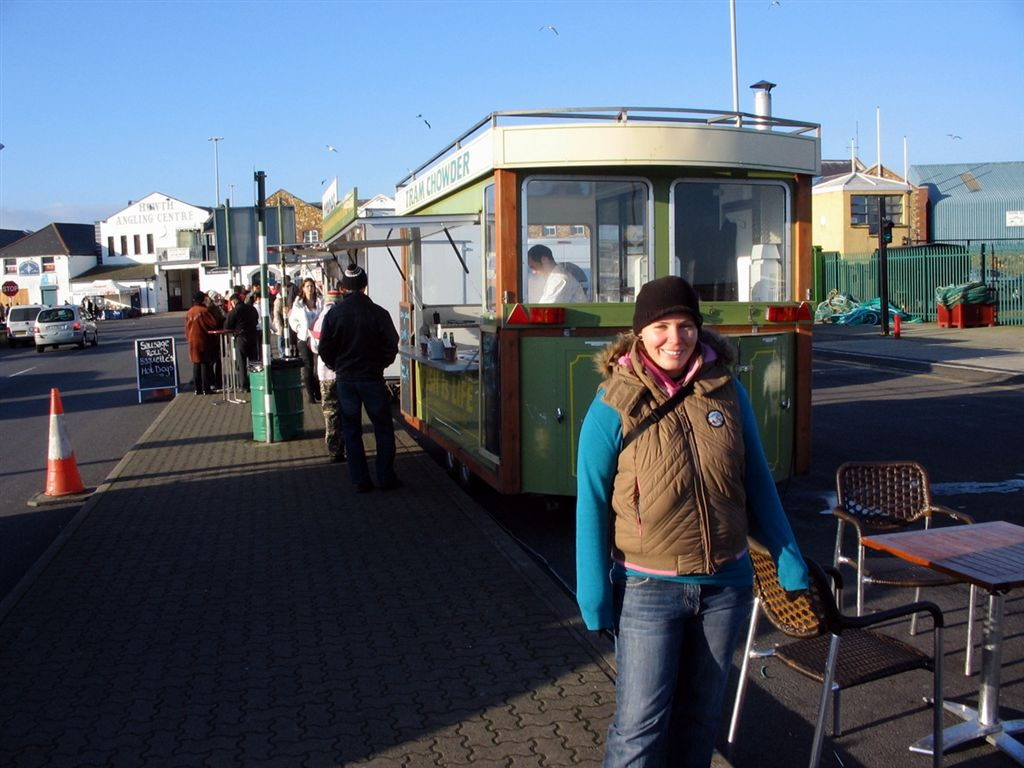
(137,242)
(311,236)
(149,244)
(10,266)
(579,230)
(110,246)
(864,209)
(48,264)
(124,245)
(548,231)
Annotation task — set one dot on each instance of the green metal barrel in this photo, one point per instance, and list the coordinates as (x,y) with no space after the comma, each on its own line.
(287,416)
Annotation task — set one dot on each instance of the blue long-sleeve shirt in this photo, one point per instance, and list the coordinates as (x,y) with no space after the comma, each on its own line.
(600,444)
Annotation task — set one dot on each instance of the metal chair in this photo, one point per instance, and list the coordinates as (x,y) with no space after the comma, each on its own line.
(836,650)
(886,497)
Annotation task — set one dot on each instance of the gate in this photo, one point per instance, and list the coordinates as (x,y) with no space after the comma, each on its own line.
(915,272)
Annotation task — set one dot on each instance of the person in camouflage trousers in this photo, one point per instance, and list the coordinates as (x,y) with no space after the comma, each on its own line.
(333,438)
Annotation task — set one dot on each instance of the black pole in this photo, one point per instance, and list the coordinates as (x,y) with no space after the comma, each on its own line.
(883,269)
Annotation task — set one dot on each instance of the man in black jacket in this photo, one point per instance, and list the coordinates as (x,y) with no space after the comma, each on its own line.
(244,320)
(358,341)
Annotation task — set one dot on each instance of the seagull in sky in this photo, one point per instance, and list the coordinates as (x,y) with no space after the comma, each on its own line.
(330,148)
(421,117)
(954,136)
(548,26)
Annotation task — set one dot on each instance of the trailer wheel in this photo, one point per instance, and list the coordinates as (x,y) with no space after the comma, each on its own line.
(451,464)
(465,477)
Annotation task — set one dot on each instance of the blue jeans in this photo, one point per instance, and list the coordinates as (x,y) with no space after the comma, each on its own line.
(674,644)
(373,395)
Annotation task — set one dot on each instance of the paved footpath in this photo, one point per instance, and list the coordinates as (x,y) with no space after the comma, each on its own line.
(227,603)
(222,602)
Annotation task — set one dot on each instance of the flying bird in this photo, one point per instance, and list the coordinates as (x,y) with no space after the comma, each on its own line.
(421,117)
(330,148)
(548,26)
(954,136)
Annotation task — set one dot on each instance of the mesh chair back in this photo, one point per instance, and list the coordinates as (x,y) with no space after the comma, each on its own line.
(807,614)
(884,494)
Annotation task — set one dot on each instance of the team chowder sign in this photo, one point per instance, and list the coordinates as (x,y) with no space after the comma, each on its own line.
(455,170)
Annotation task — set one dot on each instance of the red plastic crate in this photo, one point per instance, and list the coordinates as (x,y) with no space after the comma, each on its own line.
(966,316)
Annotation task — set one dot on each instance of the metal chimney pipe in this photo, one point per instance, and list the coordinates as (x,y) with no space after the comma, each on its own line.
(762,103)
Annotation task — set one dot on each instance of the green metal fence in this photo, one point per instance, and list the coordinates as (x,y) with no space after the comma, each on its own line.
(915,272)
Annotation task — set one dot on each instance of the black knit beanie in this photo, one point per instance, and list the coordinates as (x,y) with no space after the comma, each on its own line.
(665,296)
(353,278)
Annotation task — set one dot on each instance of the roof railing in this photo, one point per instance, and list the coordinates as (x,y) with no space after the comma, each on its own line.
(675,115)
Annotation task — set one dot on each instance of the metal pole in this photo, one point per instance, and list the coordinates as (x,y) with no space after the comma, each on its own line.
(268,400)
(216,164)
(282,294)
(883,268)
(735,65)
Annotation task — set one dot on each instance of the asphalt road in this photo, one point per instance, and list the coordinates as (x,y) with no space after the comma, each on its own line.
(102,417)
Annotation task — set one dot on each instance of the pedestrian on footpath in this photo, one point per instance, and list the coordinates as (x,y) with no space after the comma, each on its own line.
(202,348)
(672,478)
(301,317)
(328,391)
(244,321)
(358,341)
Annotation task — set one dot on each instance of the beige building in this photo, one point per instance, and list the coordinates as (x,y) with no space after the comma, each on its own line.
(845,206)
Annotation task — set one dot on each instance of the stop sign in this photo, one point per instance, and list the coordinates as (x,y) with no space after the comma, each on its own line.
(10,288)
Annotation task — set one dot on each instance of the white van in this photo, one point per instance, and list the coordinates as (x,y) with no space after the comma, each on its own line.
(20,320)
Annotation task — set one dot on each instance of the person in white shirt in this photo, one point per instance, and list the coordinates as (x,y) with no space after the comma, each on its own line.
(560,287)
(301,318)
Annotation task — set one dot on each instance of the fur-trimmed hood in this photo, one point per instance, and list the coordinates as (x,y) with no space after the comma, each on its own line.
(607,359)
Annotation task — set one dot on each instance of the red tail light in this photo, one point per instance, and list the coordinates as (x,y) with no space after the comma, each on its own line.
(523,315)
(789,313)
(76,325)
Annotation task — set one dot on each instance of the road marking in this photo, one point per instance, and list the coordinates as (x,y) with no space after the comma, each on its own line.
(939,490)
(953,489)
(21,372)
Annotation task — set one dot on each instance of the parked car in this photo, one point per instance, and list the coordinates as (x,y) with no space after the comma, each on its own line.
(64,325)
(20,321)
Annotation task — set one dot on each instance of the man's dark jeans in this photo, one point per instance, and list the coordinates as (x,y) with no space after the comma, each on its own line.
(373,395)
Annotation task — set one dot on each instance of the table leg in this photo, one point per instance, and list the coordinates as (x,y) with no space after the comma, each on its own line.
(983,722)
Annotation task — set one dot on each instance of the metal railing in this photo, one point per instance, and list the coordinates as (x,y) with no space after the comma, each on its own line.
(914,272)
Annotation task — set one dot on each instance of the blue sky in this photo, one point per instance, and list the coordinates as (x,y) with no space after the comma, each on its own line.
(105,102)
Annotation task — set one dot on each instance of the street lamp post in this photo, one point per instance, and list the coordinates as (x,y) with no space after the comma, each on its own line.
(216,164)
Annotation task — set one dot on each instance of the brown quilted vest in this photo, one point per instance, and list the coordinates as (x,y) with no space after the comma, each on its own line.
(678,496)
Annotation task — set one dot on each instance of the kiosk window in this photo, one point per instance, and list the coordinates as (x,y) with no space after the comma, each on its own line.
(731,239)
(597,232)
(490,254)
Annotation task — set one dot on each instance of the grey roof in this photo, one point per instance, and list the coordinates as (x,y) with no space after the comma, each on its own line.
(8,236)
(117,272)
(974,181)
(54,240)
(830,168)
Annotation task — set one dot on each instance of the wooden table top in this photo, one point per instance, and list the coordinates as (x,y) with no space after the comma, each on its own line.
(990,555)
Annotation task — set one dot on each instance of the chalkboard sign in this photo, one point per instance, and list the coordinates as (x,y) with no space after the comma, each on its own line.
(156,366)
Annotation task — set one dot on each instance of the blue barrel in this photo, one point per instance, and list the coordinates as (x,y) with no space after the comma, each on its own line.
(287,417)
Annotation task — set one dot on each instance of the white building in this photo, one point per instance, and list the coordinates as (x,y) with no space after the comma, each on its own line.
(39,267)
(163,232)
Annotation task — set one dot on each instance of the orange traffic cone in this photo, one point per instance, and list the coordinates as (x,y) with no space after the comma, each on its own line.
(62,478)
